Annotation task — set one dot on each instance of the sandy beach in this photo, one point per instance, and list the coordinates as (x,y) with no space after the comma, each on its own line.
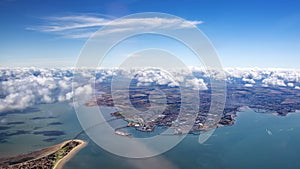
(61,162)
(50,157)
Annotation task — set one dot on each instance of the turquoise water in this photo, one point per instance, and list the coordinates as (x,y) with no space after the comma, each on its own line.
(255,141)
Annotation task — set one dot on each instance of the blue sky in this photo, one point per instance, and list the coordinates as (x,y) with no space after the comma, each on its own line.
(245,33)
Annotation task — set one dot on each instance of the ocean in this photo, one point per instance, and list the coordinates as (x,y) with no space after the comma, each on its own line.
(255,141)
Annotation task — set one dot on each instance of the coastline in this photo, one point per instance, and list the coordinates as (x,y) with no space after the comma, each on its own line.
(60,163)
(53,157)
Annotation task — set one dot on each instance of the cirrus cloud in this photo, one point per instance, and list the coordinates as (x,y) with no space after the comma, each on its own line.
(83,26)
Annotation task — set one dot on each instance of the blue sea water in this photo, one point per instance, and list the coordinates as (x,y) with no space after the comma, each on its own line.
(254,141)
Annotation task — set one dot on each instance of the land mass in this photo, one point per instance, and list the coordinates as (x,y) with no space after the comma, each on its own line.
(53,157)
(277,100)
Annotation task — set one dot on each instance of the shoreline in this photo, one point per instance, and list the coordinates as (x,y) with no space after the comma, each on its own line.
(60,163)
(52,157)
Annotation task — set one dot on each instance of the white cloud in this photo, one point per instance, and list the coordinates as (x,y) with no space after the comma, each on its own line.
(83,26)
(29,86)
(196,84)
(248,85)
(155,76)
(290,84)
(24,87)
(273,81)
(84,90)
(248,80)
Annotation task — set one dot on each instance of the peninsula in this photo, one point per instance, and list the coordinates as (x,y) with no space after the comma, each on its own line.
(53,157)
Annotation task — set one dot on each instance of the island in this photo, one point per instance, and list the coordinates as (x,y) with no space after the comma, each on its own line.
(53,157)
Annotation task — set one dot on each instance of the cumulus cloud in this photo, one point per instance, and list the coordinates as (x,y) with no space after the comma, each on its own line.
(84,90)
(290,84)
(21,88)
(248,85)
(248,80)
(267,76)
(196,84)
(24,87)
(273,82)
(155,76)
(83,26)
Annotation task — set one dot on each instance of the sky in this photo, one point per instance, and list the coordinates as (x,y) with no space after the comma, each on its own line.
(244,33)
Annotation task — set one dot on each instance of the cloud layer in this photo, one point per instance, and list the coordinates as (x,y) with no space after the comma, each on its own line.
(24,87)
(21,88)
